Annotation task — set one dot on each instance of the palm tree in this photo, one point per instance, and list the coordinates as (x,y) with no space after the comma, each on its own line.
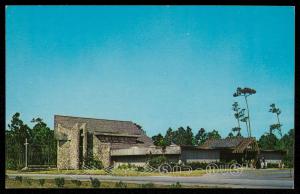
(245,92)
(245,120)
(277,111)
(236,108)
(237,130)
(230,135)
(238,115)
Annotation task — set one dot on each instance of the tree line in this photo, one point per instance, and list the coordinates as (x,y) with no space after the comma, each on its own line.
(267,141)
(41,147)
(184,136)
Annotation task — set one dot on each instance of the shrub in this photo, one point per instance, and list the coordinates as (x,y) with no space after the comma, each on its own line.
(6,176)
(155,162)
(60,182)
(287,164)
(203,165)
(10,164)
(140,168)
(28,181)
(121,185)
(93,163)
(177,185)
(95,182)
(147,185)
(19,178)
(276,165)
(232,162)
(42,182)
(123,166)
(76,182)
(128,166)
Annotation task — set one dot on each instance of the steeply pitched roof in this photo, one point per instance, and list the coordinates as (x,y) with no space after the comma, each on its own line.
(238,144)
(104,126)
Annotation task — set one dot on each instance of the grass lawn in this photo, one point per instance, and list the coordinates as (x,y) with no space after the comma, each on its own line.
(114,172)
(55,171)
(50,183)
(128,172)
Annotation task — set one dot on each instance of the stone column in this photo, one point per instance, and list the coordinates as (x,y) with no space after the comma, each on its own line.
(85,142)
(74,146)
(63,146)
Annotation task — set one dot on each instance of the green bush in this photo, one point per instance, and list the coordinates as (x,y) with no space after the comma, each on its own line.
(232,162)
(19,178)
(177,185)
(203,165)
(93,163)
(287,164)
(10,164)
(124,166)
(128,166)
(42,182)
(155,162)
(28,181)
(140,168)
(275,165)
(121,185)
(76,182)
(147,185)
(95,182)
(60,182)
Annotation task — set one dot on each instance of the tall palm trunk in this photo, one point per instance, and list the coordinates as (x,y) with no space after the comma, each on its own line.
(248,115)
(239,132)
(247,128)
(238,120)
(280,133)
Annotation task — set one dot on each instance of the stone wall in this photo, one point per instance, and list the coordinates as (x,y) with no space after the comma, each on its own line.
(63,146)
(101,151)
(63,154)
(68,149)
(74,147)
(84,142)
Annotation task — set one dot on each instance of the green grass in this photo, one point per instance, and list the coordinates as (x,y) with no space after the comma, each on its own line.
(50,183)
(119,172)
(115,172)
(56,171)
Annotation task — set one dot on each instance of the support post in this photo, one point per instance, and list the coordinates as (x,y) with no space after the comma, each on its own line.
(26,162)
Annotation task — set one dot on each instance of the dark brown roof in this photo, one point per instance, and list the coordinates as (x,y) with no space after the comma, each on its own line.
(192,147)
(104,126)
(274,151)
(238,144)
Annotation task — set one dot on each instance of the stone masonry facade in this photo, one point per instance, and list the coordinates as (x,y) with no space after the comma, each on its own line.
(117,142)
(82,138)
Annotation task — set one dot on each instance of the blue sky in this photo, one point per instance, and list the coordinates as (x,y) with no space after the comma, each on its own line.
(159,66)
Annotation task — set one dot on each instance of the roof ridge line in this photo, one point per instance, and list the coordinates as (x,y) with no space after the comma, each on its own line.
(91,118)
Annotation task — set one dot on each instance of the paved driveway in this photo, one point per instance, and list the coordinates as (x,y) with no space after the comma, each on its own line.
(262,178)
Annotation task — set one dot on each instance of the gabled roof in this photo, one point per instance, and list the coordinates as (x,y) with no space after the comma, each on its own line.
(124,128)
(238,144)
